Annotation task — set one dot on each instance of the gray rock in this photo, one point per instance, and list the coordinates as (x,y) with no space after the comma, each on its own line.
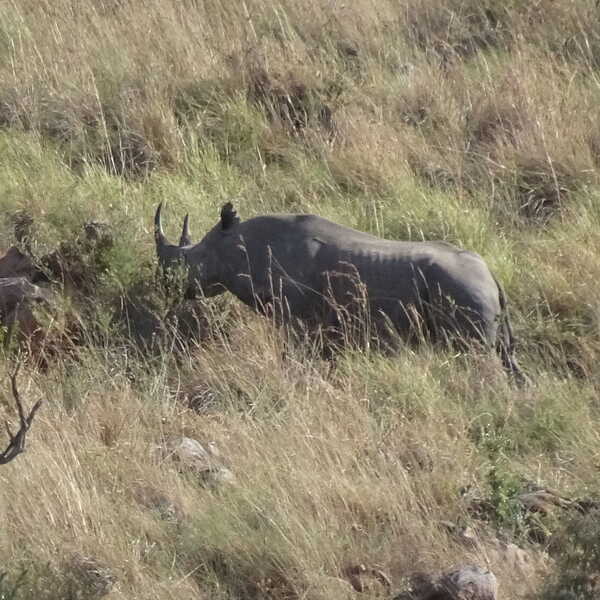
(216,476)
(202,460)
(190,453)
(468,582)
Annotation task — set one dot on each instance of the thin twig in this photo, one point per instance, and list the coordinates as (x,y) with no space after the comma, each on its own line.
(16,443)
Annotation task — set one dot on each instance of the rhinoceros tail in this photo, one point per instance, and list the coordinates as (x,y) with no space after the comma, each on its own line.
(508,338)
(506,341)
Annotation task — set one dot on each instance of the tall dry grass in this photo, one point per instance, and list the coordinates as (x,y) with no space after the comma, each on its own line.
(466,121)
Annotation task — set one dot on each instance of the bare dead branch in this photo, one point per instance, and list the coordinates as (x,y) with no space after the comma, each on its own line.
(16,443)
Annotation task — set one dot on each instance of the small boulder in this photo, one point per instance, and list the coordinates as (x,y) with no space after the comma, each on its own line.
(468,582)
(191,453)
(203,460)
(215,476)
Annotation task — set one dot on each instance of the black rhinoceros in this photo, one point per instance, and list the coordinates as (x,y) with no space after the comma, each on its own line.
(308,268)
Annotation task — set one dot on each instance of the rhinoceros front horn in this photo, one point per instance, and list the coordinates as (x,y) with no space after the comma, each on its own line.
(159,234)
(186,238)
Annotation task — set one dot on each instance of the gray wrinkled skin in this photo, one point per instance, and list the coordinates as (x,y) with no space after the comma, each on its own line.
(297,265)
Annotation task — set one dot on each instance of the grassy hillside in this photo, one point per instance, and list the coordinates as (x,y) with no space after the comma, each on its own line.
(471,121)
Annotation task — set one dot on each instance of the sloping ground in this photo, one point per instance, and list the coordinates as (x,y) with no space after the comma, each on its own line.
(473,122)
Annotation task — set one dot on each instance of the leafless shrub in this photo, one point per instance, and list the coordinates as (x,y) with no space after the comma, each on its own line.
(16,443)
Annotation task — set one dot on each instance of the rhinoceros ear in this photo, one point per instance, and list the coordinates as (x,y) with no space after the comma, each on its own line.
(229,217)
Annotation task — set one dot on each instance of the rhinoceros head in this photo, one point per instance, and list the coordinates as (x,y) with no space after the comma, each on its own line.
(210,261)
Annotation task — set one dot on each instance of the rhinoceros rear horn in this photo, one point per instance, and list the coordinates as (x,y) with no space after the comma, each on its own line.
(186,238)
(229,217)
(159,234)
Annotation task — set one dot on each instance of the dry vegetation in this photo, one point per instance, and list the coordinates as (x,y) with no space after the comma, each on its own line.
(467,120)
